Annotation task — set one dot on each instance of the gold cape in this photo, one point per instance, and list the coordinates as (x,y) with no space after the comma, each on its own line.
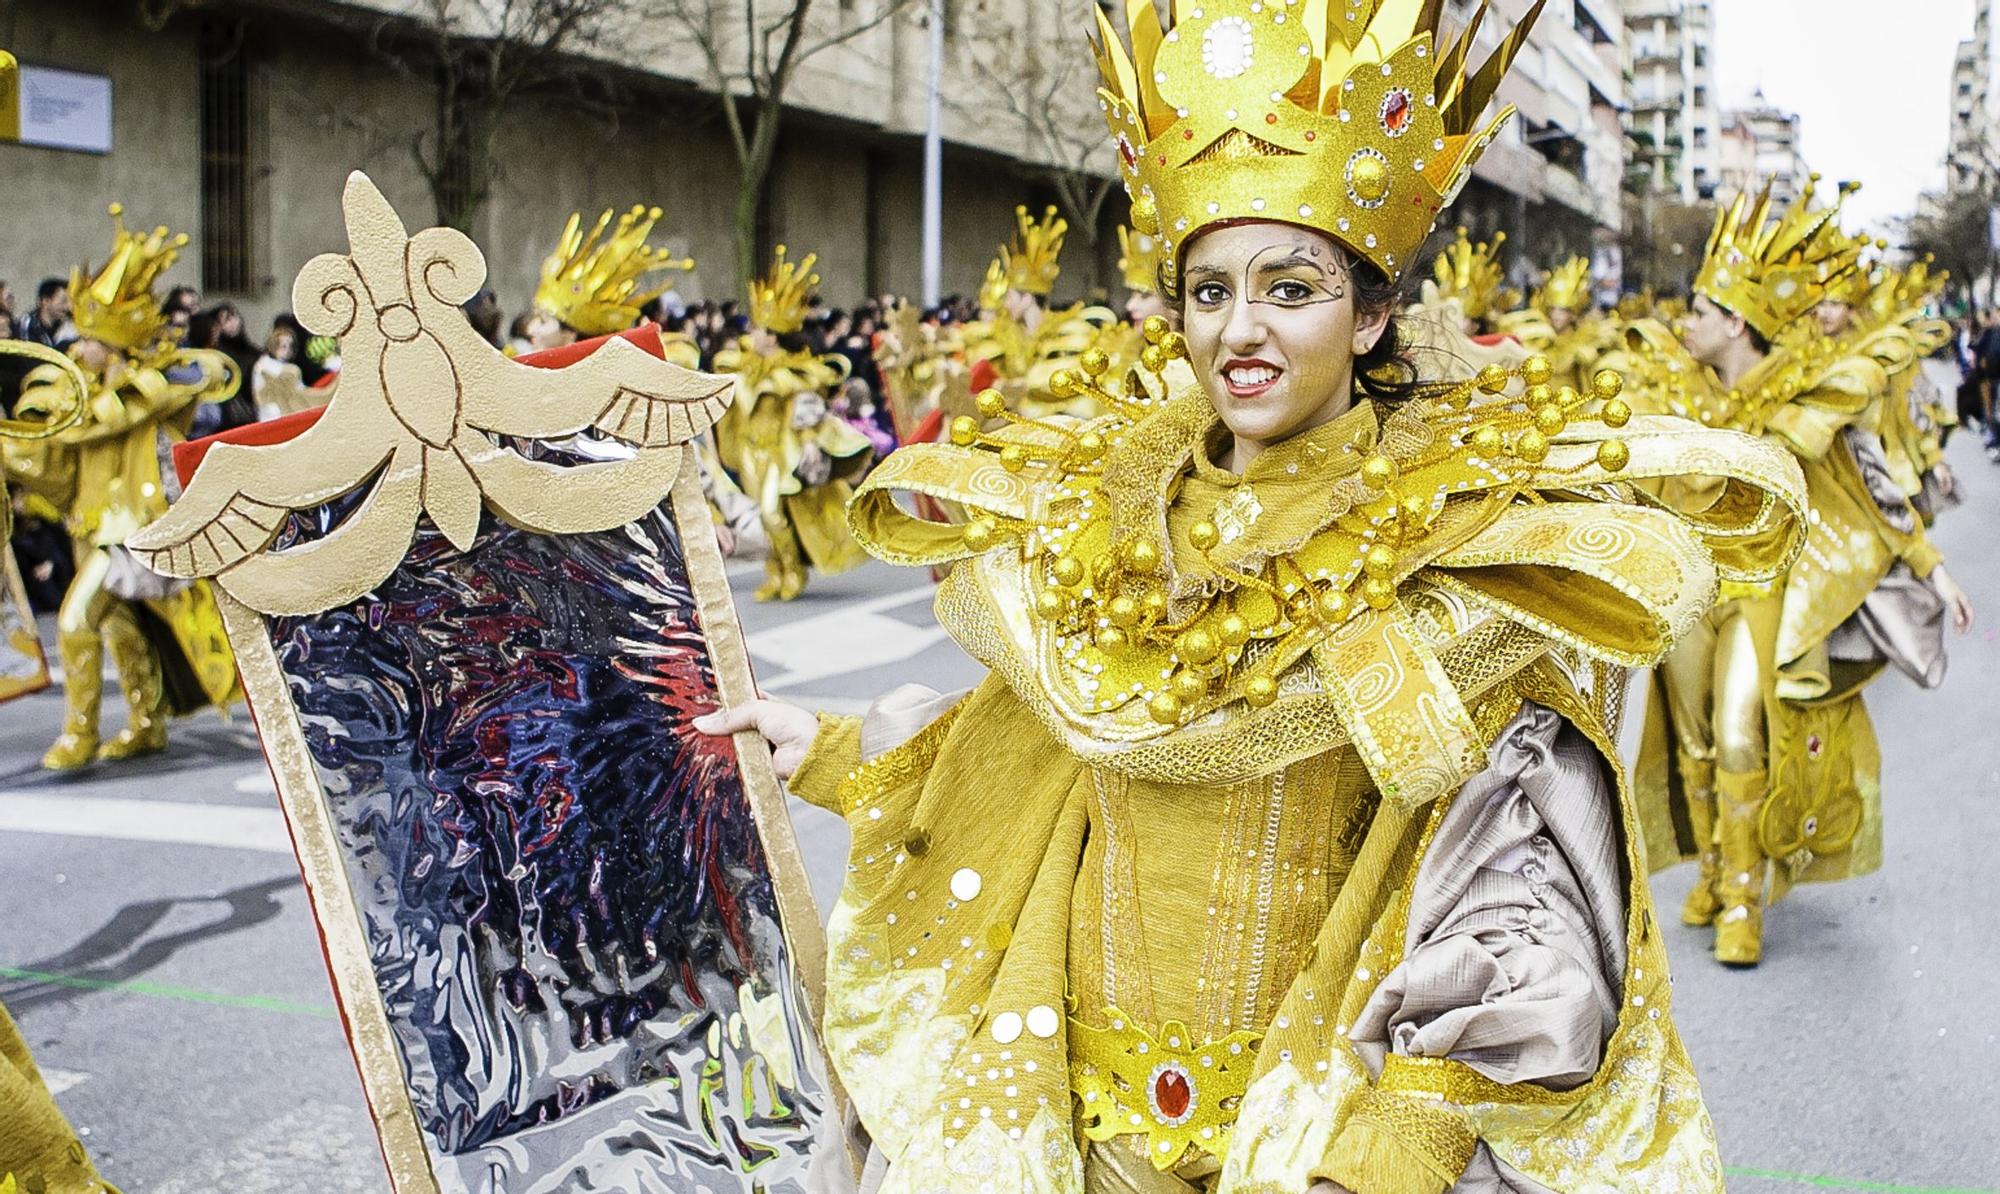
(963,1007)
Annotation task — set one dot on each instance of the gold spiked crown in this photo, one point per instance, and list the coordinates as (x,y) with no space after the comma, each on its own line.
(591,282)
(1346,116)
(1031,260)
(779,299)
(1471,273)
(116,305)
(1567,286)
(1773,271)
(1139,259)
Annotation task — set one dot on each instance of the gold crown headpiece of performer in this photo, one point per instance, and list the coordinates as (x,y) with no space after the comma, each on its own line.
(779,299)
(1471,273)
(1031,260)
(591,282)
(1139,259)
(1567,287)
(1351,117)
(116,305)
(1772,271)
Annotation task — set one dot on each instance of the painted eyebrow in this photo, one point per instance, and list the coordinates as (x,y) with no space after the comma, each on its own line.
(1291,261)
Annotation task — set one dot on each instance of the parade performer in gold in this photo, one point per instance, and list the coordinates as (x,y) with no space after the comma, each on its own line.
(590,284)
(1756,748)
(1018,345)
(1559,323)
(1284,847)
(102,478)
(791,456)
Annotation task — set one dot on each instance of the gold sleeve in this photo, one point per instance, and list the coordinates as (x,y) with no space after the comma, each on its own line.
(1396,1143)
(1921,554)
(835,754)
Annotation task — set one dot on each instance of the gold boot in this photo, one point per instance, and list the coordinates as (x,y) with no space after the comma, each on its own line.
(82,655)
(785,567)
(138,667)
(1739,927)
(1698,786)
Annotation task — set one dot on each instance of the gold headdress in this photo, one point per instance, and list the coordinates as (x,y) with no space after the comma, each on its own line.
(1854,286)
(116,306)
(778,300)
(1346,116)
(1771,272)
(1567,286)
(1031,260)
(1471,273)
(1139,259)
(589,282)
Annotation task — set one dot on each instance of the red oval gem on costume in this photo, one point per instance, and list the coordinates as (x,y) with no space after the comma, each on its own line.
(1396,111)
(1172,1094)
(1311,136)
(1270,118)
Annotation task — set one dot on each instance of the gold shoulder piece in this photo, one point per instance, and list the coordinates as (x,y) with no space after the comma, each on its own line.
(420,422)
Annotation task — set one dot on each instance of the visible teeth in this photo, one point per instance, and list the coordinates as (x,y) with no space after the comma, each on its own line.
(1252,375)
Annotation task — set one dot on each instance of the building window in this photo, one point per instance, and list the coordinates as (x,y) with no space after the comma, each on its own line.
(1700,56)
(225,159)
(1701,97)
(1701,138)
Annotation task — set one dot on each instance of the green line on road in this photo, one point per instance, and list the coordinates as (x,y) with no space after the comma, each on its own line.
(1841,1183)
(262,1003)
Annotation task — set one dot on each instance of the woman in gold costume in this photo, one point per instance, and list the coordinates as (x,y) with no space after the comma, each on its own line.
(790,456)
(101,477)
(1285,847)
(1757,749)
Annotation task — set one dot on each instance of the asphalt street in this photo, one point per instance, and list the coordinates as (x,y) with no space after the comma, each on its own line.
(159,956)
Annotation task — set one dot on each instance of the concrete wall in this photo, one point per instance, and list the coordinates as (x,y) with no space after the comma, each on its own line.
(52,201)
(322,104)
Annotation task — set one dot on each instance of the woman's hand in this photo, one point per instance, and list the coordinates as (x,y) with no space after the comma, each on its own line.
(789,729)
(1954,598)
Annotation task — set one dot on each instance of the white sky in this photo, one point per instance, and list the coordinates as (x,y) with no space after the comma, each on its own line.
(1870,79)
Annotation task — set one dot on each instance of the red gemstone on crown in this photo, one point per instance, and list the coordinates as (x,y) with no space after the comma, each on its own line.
(1396,111)
(1814,745)
(1172,1094)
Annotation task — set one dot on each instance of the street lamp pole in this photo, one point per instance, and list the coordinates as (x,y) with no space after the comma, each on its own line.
(934,164)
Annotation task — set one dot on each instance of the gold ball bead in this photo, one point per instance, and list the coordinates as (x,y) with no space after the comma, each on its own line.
(1486,441)
(1145,214)
(1154,604)
(1613,454)
(1379,561)
(1174,345)
(1165,708)
(1189,687)
(1152,358)
(1110,638)
(1492,379)
(1143,555)
(1378,593)
(1537,371)
(1539,394)
(992,403)
(1123,612)
(1199,646)
(1090,445)
(1064,383)
(1617,413)
(1333,602)
(1416,507)
(1532,446)
(1378,471)
(1013,458)
(1068,572)
(1300,605)
(1154,328)
(1233,631)
(964,430)
(1568,397)
(1094,361)
(1203,535)
(979,534)
(1607,384)
(1260,691)
(1049,604)
(1549,419)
